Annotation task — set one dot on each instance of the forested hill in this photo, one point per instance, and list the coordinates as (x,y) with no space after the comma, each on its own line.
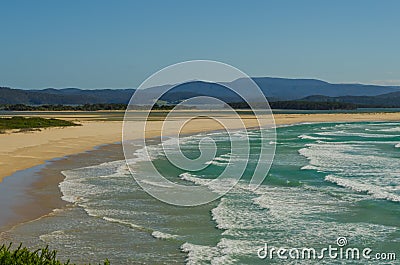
(275,89)
(71,96)
(389,100)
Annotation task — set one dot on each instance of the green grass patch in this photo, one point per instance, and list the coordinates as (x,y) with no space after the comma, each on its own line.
(22,255)
(25,124)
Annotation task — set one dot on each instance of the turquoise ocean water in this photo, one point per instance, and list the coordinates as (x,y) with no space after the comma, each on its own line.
(328,180)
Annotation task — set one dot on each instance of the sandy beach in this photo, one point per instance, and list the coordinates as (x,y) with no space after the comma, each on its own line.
(32,185)
(24,150)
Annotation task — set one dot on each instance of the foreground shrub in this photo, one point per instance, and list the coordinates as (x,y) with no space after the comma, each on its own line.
(22,255)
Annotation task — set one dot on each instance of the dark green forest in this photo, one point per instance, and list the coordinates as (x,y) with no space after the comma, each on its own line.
(301,105)
(296,105)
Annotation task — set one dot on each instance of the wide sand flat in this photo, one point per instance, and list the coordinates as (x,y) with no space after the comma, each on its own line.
(24,150)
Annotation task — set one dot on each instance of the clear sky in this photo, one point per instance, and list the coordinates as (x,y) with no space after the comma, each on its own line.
(118,44)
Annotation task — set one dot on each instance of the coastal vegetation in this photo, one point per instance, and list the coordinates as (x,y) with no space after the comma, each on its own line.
(60,107)
(297,105)
(300,105)
(22,255)
(86,107)
(29,123)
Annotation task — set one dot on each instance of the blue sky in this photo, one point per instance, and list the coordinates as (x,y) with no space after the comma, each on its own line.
(118,44)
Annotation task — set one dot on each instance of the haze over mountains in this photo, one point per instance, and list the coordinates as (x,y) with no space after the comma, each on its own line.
(275,89)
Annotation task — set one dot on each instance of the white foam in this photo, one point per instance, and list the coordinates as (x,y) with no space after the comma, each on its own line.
(238,211)
(248,218)
(77,186)
(395,129)
(298,208)
(346,133)
(57,210)
(308,137)
(142,154)
(71,188)
(124,222)
(164,236)
(215,185)
(193,178)
(156,184)
(226,159)
(397,145)
(57,236)
(154,233)
(233,247)
(309,167)
(297,201)
(222,159)
(374,191)
(349,159)
(216,163)
(199,254)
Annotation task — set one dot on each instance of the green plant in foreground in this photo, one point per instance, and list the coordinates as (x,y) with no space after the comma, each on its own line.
(22,255)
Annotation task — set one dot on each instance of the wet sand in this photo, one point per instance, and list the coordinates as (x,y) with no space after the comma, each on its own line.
(34,192)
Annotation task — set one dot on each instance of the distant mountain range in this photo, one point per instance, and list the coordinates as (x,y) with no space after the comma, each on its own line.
(291,89)
(275,89)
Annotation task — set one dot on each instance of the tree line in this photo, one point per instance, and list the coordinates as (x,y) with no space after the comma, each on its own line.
(297,105)
(85,107)
(300,105)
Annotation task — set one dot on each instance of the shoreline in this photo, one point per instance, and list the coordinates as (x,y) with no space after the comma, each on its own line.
(25,150)
(39,198)
(42,195)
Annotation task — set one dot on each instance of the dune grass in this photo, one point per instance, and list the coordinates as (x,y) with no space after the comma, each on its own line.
(22,255)
(28,123)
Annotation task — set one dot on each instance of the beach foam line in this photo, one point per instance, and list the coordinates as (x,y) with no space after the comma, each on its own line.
(238,214)
(222,159)
(309,167)
(193,178)
(362,135)
(199,254)
(216,163)
(225,159)
(126,223)
(87,185)
(395,129)
(58,235)
(349,159)
(215,185)
(163,236)
(156,183)
(309,137)
(375,191)
(154,233)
